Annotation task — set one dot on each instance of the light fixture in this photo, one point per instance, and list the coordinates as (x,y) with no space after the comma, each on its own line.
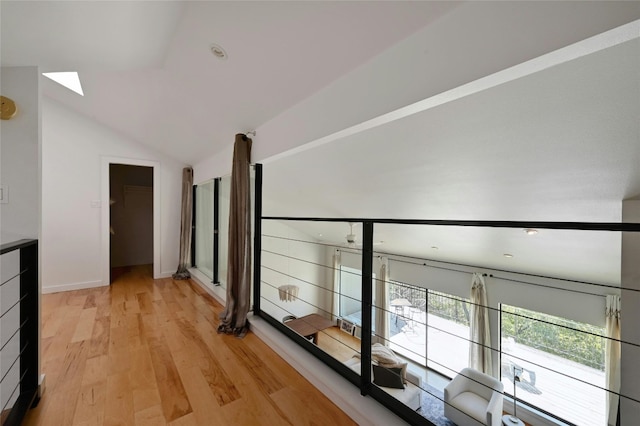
(514,420)
(70,80)
(8,108)
(530,231)
(508,256)
(218,51)
(434,247)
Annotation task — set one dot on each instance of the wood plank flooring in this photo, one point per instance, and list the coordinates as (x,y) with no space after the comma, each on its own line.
(146,352)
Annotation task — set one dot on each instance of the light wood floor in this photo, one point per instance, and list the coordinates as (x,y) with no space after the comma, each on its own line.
(145,352)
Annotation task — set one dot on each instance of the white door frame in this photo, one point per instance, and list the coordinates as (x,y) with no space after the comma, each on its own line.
(106,237)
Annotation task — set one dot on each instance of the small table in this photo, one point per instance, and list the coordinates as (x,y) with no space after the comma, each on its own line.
(506,421)
(399,305)
(309,326)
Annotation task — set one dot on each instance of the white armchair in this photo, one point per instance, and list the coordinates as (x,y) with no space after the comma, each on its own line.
(473,398)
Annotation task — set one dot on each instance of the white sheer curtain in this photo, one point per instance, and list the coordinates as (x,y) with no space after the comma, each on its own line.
(612,356)
(382,304)
(336,284)
(480,351)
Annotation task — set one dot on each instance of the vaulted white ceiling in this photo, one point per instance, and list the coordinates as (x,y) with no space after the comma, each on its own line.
(148,72)
(562,144)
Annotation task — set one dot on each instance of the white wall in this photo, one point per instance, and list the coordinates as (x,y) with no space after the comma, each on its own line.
(72,147)
(19,149)
(20,169)
(474,40)
(310,273)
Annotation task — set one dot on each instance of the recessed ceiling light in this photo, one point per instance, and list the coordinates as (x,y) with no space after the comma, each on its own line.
(70,80)
(218,51)
(508,256)
(530,231)
(319,235)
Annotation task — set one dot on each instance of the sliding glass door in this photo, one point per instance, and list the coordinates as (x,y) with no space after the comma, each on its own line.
(429,327)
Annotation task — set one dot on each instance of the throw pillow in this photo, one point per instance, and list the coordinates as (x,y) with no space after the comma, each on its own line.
(403,370)
(388,377)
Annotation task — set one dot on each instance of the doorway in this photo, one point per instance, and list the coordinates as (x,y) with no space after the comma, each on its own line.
(140,186)
(130,220)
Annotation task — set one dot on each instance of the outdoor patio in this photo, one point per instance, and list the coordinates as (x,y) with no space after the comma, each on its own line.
(552,391)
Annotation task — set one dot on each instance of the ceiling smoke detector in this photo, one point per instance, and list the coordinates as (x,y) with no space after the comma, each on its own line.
(218,51)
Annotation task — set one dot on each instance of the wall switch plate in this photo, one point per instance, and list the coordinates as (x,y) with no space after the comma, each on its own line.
(4,194)
(95,204)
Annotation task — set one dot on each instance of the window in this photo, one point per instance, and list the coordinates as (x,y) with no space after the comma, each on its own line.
(224,202)
(429,327)
(448,333)
(351,295)
(204,228)
(562,362)
(408,321)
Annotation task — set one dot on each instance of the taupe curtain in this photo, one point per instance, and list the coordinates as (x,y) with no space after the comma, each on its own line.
(612,356)
(185,225)
(480,351)
(382,304)
(234,317)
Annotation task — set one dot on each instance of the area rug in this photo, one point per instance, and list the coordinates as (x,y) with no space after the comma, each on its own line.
(432,407)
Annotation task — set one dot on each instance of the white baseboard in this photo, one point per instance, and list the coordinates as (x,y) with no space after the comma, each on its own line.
(165,275)
(69,287)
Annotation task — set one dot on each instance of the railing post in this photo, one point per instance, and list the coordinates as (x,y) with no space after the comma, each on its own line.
(193,227)
(367,301)
(216,230)
(29,316)
(257,240)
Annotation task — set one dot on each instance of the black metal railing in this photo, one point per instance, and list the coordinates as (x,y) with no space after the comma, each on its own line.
(446,306)
(19,322)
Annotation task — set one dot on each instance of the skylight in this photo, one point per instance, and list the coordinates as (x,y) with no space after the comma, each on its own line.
(70,80)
